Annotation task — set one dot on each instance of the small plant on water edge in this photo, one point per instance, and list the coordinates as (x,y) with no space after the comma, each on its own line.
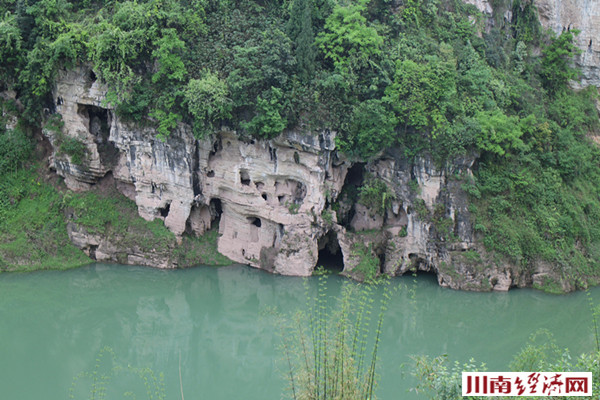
(330,350)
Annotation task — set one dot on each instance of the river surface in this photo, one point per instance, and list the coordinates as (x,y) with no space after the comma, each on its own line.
(118,328)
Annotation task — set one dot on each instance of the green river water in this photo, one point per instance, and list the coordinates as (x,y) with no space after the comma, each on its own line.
(217,325)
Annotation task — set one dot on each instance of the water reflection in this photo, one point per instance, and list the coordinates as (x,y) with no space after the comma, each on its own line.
(53,325)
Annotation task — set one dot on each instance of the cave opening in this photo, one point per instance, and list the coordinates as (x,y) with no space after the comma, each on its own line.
(217,146)
(164,211)
(216,210)
(98,122)
(330,254)
(381,257)
(355,175)
(92,251)
(199,220)
(245,177)
(419,267)
(255,221)
(349,193)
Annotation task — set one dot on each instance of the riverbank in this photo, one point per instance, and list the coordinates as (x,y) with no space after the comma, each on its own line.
(45,226)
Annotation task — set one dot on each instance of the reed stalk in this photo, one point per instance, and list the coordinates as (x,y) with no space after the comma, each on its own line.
(331,350)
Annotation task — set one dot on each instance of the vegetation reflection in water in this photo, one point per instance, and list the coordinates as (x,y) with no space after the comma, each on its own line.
(55,324)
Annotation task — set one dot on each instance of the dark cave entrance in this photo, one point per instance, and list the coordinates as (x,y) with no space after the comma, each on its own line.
(355,175)
(330,254)
(98,122)
(349,193)
(164,211)
(216,210)
(419,267)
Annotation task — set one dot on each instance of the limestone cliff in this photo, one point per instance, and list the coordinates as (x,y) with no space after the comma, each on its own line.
(562,15)
(278,205)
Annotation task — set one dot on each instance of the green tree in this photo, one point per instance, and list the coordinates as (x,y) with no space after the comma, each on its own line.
(421,93)
(300,30)
(556,68)
(208,102)
(167,53)
(326,349)
(10,49)
(498,132)
(376,195)
(264,62)
(371,130)
(347,37)
(268,121)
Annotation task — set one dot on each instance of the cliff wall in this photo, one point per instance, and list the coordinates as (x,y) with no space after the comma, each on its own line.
(562,15)
(279,205)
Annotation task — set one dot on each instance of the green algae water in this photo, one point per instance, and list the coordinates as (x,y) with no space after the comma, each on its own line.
(118,331)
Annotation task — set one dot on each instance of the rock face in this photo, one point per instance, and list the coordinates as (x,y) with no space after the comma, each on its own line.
(562,15)
(583,15)
(265,197)
(280,205)
(483,6)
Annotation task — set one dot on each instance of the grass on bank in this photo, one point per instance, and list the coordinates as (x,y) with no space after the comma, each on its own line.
(115,216)
(33,227)
(33,233)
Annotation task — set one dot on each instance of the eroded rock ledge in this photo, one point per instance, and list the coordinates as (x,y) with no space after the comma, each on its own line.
(277,203)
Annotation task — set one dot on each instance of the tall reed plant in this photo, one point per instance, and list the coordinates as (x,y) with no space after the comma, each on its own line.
(330,349)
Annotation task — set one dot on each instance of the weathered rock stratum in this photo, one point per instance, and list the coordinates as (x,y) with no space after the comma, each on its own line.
(282,205)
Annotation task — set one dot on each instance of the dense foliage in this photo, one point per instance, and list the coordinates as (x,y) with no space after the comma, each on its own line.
(420,77)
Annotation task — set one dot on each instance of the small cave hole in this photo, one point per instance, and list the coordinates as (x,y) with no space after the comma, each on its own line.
(164,211)
(281,199)
(255,221)
(349,193)
(92,76)
(419,267)
(330,254)
(216,210)
(217,146)
(210,174)
(264,196)
(245,177)
(299,192)
(355,175)
(381,257)
(99,121)
(296,157)
(92,251)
